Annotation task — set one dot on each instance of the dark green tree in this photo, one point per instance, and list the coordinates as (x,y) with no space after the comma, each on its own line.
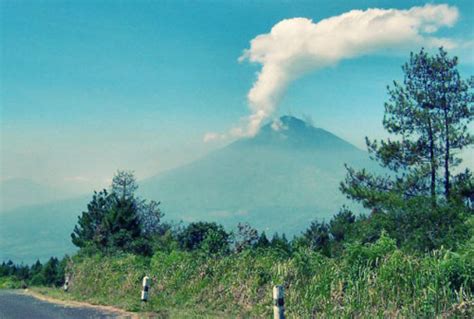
(119,221)
(22,272)
(36,268)
(262,241)
(90,229)
(51,274)
(428,115)
(340,224)
(281,244)
(122,224)
(452,100)
(317,237)
(193,236)
(216,241)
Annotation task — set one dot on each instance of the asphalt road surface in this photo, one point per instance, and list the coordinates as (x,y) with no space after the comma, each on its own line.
(16,305)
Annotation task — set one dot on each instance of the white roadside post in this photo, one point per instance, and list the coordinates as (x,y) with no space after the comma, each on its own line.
(278,303)
(66,283)
(146,287)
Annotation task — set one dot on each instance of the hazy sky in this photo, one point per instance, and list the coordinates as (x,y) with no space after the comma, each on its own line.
(88,87)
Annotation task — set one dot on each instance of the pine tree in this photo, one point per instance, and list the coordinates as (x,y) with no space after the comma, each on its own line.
(90,230)
(263,241)
(124,184)
(122,223)
(428,116)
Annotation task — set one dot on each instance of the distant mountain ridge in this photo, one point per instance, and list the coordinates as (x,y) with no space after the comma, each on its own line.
(17,192)
(278,181)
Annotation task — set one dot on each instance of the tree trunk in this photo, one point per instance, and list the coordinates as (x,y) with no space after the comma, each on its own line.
(432,162)
(447,184)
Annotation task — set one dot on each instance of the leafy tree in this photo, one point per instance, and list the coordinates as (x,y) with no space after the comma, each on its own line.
(38,280)
(192,237)
(216,241)
(150,217)
(245,237)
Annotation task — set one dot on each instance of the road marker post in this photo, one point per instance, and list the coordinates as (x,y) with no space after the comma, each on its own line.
(66,283)
(278,303)
(145,288)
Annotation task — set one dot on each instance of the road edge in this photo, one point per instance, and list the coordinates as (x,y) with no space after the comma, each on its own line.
(81,304)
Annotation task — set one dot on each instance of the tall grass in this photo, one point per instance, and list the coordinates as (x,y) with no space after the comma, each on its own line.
(367,281)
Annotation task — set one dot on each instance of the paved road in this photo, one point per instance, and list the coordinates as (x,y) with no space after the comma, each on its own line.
(16,305)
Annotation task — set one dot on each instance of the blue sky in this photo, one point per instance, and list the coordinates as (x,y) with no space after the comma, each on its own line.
(88,87)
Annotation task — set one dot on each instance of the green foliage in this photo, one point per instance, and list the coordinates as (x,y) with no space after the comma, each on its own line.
(429,115)
(262,241)
(121,224)
(358,254)
(209,237)
(52,273)
(341,223)
(111,223)
(119,221)
(317,237)
(279,244)
(124,184)
(89,231)
(368,280)
(245,237)
(20,276)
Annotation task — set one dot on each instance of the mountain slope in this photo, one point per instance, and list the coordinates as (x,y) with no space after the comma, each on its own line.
(278,181)
(19,192)
(39,231)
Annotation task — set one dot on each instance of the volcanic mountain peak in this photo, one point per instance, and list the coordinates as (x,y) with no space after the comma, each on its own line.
(291,132)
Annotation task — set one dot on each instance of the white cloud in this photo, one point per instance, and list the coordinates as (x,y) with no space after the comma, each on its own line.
(296,46)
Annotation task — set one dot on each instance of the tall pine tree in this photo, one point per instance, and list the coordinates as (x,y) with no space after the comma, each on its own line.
(428,116)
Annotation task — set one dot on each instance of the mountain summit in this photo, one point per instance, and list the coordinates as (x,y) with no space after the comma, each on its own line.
(291,132)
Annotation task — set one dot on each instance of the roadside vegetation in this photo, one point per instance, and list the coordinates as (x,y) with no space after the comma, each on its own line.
(412,255)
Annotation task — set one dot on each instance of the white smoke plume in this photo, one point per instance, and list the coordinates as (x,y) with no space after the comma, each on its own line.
(297,46)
